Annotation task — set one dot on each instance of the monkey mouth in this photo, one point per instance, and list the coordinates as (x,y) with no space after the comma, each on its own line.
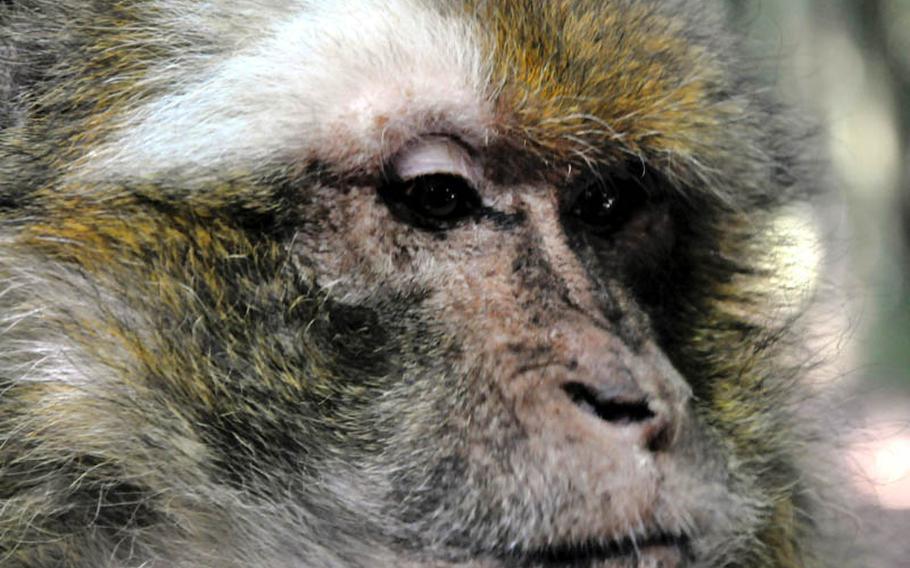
(668,550)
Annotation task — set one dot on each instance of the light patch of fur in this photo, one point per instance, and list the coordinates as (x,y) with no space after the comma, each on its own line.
(332,82)
(31,298)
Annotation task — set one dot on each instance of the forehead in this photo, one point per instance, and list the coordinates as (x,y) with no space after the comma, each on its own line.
(347,82)
(587,79)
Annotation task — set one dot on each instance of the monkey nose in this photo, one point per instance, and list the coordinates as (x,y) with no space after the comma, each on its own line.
(625,408)
(635,395)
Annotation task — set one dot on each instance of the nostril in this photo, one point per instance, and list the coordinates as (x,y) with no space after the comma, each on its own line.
(613,409)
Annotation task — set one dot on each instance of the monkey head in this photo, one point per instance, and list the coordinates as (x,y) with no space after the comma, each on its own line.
(404,283)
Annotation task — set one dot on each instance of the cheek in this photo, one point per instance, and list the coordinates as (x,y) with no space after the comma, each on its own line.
(473,288)
(350,243)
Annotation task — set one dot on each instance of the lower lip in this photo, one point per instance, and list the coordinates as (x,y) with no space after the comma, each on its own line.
(663,556)
(654,556)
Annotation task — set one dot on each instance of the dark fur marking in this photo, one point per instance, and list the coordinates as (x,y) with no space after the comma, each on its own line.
(501,220)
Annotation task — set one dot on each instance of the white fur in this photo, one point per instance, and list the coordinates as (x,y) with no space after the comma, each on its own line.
(336,81)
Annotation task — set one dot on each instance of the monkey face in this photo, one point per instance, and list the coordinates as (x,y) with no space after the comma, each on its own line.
(517,359)
(390,283)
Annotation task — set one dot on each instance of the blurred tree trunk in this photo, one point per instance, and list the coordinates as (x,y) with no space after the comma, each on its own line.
(871,31)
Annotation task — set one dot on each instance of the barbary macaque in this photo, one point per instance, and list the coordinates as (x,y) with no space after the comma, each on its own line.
(324,284)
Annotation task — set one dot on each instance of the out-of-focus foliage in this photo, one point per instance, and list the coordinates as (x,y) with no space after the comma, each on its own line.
(848,62)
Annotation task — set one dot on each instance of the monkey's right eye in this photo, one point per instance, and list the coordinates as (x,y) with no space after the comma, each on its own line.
(435,201)
(429,185)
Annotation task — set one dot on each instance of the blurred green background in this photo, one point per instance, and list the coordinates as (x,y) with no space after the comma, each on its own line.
(848,63)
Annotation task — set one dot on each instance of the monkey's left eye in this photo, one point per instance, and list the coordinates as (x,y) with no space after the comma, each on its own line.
(603,206)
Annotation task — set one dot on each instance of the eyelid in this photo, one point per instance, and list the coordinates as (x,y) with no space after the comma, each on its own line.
(437,155)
